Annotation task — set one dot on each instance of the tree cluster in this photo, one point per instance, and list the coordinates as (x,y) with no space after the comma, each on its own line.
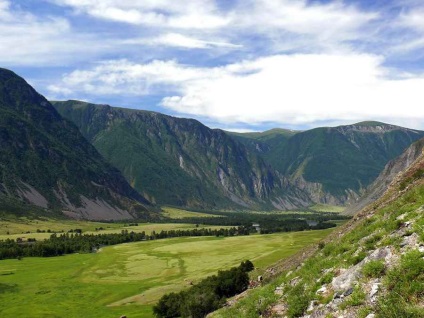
(76,242)
(208,295)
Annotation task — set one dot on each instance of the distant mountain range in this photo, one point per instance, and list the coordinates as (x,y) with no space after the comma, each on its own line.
(182,162)
(102,162)
(343,160)
(46,162)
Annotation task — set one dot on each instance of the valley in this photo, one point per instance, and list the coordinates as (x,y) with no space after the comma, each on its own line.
(129,278)
(108,212)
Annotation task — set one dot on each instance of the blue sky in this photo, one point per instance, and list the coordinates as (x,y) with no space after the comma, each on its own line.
(245,65)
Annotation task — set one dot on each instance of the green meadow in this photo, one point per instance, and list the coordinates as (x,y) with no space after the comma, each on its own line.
(27,228)
(128,279)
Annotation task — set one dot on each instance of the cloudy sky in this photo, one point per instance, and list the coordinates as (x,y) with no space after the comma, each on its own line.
(233,64)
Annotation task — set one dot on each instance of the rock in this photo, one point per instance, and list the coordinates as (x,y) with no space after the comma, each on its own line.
(370,316)
(401,217)
(346,280)
(421,248)
(322,290)
(374,289)
(410,241)
(289,273)
(311,306)
(278,310)
(348,292)
(295,281)
(338,296)
(278,290)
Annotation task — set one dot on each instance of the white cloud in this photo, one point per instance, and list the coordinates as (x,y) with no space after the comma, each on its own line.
(28,40)
(193,14)
(413,19)
(286,89)
(335,20)
(319,25)
(182,41)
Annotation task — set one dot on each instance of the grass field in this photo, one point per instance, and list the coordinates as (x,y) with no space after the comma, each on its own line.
(128,279)
(327,208)
(175,213)
(20,227)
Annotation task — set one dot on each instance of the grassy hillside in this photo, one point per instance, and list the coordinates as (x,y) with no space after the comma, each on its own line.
(372,265)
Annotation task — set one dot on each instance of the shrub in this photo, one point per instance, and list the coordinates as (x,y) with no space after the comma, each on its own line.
(373,269)
(297,301)
(357,298)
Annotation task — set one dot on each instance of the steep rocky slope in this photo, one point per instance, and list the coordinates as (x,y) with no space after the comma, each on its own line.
(180,161)
(45,161)
(340,162)
(390,172)
(373,266)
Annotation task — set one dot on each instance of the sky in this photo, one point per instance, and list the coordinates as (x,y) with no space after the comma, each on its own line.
(241,65)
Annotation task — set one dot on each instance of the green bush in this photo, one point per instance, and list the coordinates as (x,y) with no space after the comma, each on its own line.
(357,298)
(297,301)
(373,269)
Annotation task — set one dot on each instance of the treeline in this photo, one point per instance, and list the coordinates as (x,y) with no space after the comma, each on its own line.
(266,220)
(208,295)
(69,243)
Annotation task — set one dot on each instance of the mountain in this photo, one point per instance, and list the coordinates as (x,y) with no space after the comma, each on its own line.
(372,266)
(342,161)
(391,171)
(45,161)
(179,161)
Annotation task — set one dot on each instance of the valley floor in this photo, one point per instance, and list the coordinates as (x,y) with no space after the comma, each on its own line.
(128,279)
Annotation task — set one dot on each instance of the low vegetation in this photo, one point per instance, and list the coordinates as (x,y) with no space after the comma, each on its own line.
(395,230)
(206,296)
(128,279)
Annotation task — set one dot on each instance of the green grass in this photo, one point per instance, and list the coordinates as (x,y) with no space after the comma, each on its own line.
(20,227)
(373,269)
(128,279)
(327,208)
(175,213)
(403,285)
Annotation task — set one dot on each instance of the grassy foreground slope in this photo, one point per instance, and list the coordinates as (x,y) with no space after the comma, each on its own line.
(128,279)
(374,265)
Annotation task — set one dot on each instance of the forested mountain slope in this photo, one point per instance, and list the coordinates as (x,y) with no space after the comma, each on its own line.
(45,161)
(180,161)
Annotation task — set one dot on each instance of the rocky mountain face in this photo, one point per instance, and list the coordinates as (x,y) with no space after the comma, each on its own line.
(45,161)
(181,162)
(370,267)
(333,165)
(391,171)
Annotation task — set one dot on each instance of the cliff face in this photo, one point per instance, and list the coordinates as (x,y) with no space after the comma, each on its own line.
(391,171)
(180,161)
(332,164)
(45,161)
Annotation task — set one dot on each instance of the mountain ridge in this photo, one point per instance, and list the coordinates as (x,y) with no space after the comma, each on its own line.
(331,165)
(210,169)
(45,160)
